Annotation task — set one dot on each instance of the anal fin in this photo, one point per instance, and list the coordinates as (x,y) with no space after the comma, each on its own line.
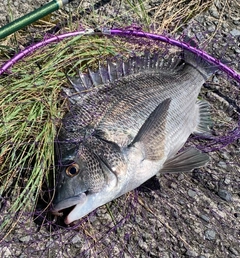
(152,133)
(185,161)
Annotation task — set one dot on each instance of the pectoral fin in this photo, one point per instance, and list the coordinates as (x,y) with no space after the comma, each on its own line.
(185,161)
(152,132)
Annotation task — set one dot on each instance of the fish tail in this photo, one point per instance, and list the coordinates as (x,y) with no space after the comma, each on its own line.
(197,61)
(201,65)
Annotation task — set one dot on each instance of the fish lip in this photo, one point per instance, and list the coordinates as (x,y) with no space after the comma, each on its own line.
(69,202)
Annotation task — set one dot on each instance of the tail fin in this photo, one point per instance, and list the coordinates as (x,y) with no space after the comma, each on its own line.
(196,60)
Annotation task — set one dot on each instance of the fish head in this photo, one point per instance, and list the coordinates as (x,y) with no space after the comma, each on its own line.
(83,183)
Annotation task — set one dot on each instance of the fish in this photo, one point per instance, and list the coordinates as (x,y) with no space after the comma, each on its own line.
(127,122)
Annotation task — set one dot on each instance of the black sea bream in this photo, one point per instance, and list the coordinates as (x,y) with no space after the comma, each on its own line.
(126,123)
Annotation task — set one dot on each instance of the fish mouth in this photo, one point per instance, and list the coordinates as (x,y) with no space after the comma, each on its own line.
(73,202)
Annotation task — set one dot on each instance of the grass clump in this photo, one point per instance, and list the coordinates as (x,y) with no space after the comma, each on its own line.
(31,108)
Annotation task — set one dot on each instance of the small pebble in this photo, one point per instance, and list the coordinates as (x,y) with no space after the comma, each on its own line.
(5,252)
(212,28)
(235,32)
(205,218)
(191,253)
(181,202)
(225,195)
(173,185)
(214,12)
(192,193)
(143,245)
(210,234)
(76,239)
(175,214)
(233,251)
(218,4)
(236,22)
(237,51)
(181,177)
(25,239)
(227,181)
(222,164)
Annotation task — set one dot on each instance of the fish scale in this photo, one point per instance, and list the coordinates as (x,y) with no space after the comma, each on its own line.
(95,180)
(151,97)
(108,153)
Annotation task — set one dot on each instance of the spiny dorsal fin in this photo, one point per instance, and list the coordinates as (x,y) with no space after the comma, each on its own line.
(103,73)
(95,77)
(152,132)
(185,161)
(76,82)
(119,68)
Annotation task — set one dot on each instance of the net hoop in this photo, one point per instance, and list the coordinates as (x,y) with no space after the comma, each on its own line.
(122,33)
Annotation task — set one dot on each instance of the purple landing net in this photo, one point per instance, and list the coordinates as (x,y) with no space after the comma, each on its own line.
(174,206)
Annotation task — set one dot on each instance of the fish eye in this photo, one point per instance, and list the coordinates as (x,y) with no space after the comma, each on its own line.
(72,170)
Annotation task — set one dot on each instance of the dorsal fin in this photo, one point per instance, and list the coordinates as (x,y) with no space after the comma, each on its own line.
(95,77)
(76,82)
(112,71)
(118,68)
(103,73)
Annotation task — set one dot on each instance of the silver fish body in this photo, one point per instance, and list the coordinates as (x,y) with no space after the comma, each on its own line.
(126,123)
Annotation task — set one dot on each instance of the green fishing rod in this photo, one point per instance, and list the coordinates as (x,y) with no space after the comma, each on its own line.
(32,17)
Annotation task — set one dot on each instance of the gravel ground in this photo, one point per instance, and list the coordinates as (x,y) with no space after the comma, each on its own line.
(184,215)
(11,10)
